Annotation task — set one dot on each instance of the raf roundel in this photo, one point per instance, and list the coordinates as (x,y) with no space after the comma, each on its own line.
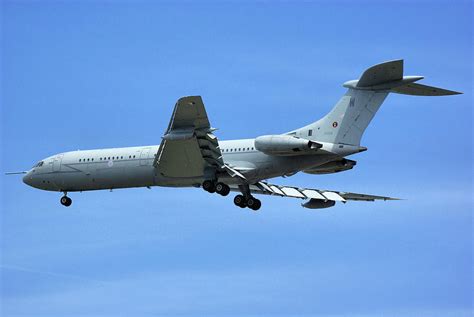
(334,124)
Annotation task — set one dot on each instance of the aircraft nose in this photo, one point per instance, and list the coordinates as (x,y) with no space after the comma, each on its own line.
(27,179)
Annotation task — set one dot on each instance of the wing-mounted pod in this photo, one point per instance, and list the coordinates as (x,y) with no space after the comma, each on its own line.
(285,145)
(318,204)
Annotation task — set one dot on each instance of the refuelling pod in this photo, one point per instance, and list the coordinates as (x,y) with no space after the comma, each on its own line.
(332,167)
(318,204)
(285,145)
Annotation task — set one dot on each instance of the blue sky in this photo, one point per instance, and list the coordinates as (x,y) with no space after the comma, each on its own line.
(84,74)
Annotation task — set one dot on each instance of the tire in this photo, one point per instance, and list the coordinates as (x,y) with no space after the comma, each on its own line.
(66,201)
(256,205)
(250,202)
(239,200)
(222,189)
(209,186)
(227,191)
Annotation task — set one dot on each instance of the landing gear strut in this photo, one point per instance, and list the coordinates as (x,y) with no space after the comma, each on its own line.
(65,201)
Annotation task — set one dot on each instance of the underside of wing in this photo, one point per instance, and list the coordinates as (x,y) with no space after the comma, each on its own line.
(318,198)
(188,147)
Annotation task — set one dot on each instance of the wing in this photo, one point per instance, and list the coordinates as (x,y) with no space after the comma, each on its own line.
(317,197)
(188,147)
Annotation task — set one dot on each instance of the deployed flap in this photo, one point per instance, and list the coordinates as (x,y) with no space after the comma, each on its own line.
(382,73)
(422,90)
(188,147)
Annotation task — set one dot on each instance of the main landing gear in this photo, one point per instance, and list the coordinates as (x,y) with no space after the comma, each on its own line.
(251,202)
(65,201)
(212,187)
(245,200)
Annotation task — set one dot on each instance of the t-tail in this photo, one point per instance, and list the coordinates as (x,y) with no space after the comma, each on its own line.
(349,118)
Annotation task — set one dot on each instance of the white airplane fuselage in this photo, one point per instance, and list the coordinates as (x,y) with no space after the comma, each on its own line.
(128,167)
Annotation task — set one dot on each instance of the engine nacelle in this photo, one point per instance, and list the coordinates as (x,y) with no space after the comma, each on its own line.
(318,203)
(285,145)
(332,167)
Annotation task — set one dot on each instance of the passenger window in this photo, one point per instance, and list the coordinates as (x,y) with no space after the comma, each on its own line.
(121,157)
(109,158)
(92,160)
(310,132)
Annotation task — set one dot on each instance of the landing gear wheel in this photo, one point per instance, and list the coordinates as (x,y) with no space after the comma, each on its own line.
(222,189)
(66,201)
(239,200)
(253,203)
(256,204)
(209,186)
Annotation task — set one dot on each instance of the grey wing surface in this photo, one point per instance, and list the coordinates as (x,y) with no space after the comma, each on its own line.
(309,193)
(188,147)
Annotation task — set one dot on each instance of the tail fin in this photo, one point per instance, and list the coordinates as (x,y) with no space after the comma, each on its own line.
(349,118)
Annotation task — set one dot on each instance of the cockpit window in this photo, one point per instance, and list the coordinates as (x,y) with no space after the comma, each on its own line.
(39,164)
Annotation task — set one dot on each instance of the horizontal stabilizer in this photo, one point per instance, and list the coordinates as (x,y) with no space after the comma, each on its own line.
(422,90)
(382,73)
(388,77)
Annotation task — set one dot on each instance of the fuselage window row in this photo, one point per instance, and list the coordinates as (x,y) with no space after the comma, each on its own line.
(238,149)
(106,158)
(134,156)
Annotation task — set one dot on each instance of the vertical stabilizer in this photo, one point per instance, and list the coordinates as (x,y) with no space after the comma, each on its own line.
(351,115)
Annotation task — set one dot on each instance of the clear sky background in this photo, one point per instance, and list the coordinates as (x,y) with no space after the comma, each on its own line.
(85,75)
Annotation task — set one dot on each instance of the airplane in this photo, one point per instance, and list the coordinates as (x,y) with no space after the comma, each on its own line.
(190,155)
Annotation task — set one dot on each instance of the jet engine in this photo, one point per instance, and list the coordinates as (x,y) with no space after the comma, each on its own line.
(332,167)
(318,203)
(285,145)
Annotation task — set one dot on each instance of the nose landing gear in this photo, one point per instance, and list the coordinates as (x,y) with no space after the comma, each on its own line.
(65,201)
